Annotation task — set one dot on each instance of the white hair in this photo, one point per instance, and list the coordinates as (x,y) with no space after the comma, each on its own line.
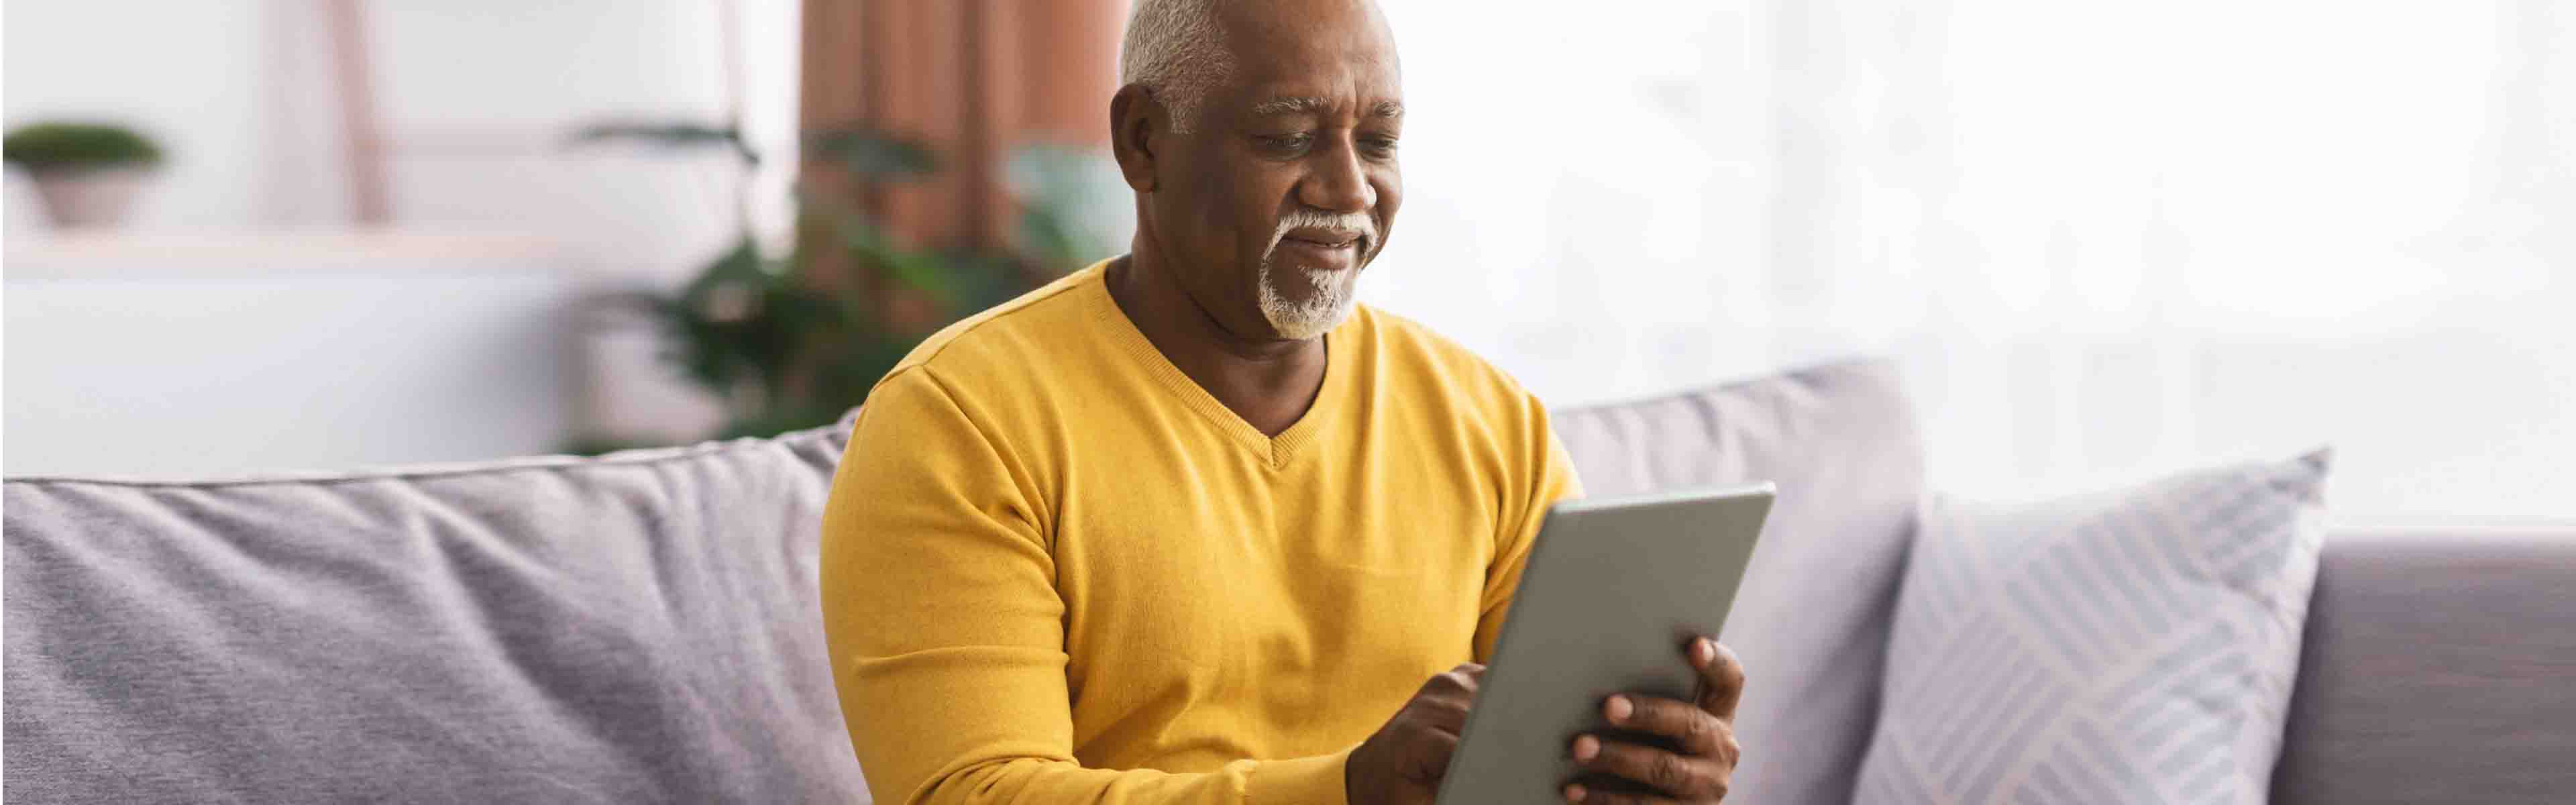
(1175,49)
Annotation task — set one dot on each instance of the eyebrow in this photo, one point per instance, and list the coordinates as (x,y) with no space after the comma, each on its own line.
(1304,105)
(1288,106)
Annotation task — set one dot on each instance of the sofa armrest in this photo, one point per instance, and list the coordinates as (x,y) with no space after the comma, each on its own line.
(2439,666)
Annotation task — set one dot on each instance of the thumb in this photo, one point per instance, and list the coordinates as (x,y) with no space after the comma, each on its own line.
(1721,678)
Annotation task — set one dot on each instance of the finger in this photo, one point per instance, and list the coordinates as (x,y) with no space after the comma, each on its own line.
(1443,701)
(1445,713)
(1721,676)
(1577,792)
(1672,773)
(1436,747)
(1424,756)
(1694,731)
(1461,680)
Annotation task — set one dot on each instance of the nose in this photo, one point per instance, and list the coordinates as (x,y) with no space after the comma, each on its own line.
(1337,184)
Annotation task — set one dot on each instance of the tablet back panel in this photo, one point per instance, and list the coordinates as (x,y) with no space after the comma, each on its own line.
(1614,590)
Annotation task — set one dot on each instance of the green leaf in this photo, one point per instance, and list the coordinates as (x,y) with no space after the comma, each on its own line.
(922,271)
(870,243)
(594,444)
(667,135)
(1058,183)
(786,356)
(873,155)
(739,264)
(65,145)
(1044,232)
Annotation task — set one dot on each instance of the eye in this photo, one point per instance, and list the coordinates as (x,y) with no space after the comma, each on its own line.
(1378,146)
(1287,143)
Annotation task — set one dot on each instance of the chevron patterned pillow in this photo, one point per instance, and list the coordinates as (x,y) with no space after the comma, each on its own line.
(2135,646)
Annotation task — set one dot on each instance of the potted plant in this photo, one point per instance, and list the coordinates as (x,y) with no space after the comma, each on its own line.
(761,334)
(86,173)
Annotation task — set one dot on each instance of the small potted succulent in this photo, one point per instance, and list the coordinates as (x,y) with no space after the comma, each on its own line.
(86,173)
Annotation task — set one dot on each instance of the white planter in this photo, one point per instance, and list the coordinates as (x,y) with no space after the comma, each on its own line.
(81,198)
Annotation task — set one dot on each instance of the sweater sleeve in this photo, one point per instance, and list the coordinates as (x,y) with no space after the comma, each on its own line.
(946,629)
(1548,477)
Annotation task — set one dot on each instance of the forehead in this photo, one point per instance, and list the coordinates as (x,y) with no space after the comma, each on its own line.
(1340,52)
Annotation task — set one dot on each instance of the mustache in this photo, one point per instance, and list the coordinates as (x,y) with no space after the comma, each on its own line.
(1347,222)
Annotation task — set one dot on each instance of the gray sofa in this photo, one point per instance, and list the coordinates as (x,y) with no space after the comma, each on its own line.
(641,627)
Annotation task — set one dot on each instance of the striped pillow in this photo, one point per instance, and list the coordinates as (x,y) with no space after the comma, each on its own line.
(2128,647)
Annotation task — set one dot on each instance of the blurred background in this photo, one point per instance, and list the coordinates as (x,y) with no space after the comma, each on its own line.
(2105,239)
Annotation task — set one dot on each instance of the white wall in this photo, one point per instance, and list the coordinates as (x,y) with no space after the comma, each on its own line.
(188,74)
(2106,239)
(477,99)
(481,95)
(194,355)
(1585,193)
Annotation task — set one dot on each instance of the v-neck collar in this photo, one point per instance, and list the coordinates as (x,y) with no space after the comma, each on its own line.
(1278,450)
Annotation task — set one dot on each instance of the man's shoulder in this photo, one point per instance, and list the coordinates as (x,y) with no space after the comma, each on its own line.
(1007,336)
(1413,352)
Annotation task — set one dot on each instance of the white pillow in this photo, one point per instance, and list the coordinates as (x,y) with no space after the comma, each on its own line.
(2135,646)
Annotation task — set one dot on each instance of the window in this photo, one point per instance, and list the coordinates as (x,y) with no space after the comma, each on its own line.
(2105,239)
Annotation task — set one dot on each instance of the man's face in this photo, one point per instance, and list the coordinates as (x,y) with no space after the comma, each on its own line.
(1287,186)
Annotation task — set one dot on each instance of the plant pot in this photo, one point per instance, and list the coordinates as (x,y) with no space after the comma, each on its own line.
(82,198)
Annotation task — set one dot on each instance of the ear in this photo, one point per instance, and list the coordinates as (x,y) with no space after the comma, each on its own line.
(1136,119)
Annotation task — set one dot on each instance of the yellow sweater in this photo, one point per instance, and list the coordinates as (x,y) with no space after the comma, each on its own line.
(1055,569)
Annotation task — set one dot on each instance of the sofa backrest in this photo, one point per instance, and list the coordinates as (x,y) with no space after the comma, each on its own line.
(2439,666)
(639,627)
(643,626)
(1811,619)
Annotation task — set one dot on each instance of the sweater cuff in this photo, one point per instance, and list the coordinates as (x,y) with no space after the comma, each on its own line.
(1299,781)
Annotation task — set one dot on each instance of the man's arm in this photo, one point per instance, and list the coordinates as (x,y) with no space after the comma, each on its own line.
(1698,762)
(1550,479)
(946,630)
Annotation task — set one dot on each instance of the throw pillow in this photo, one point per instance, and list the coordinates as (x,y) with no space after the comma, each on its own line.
(1811,620)
(2136,646)
(639,627)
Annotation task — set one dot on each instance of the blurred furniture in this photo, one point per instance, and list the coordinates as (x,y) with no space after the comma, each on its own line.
(642,626)
(228,352)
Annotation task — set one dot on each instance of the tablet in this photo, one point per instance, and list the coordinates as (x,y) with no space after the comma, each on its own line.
(1613,591)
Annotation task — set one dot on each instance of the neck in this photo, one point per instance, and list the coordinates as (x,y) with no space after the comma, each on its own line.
(1268,382)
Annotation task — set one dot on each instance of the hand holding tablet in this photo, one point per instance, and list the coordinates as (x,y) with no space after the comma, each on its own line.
(1690,751)
(1586,700)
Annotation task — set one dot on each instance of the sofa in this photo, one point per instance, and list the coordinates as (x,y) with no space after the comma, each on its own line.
(642,627)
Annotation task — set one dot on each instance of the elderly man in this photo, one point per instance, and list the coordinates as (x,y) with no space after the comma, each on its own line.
(1191,525)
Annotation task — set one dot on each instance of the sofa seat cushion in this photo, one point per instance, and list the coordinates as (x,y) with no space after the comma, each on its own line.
(639,627)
